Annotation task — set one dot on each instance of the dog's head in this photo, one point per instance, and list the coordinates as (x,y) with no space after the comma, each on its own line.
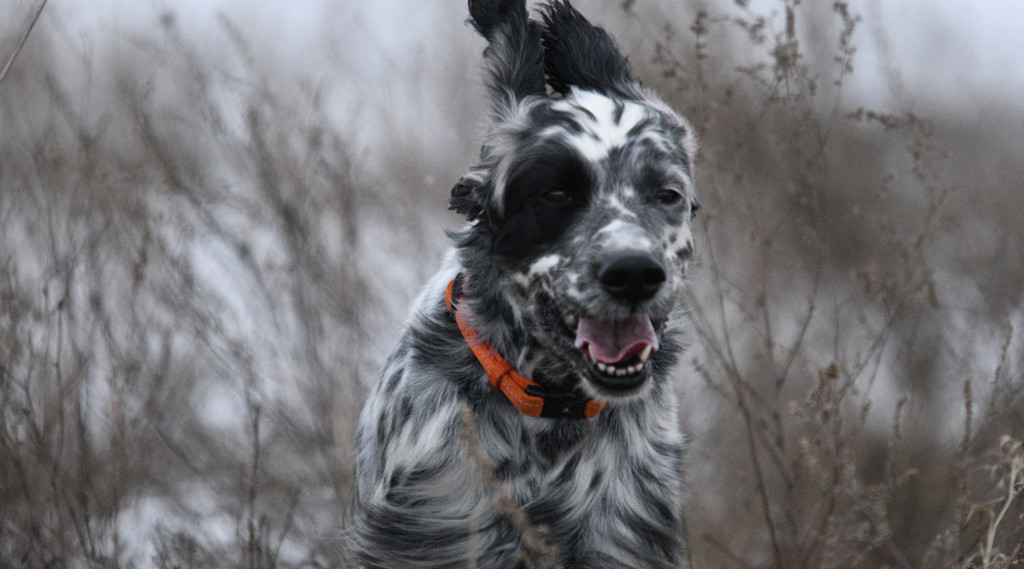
(583,199)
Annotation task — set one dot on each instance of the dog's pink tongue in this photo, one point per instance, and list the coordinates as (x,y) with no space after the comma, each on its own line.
(611,341)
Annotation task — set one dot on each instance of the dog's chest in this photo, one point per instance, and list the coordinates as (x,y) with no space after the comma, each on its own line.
(542,461)
(568,470)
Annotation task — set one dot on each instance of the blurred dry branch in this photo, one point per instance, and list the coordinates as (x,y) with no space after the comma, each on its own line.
(21,41)
(835,292)
(182,320)
(201,268)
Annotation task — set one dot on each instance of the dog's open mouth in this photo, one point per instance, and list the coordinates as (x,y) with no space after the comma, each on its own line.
(616,351)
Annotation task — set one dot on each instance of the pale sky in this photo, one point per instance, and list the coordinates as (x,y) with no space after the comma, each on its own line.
(950,50)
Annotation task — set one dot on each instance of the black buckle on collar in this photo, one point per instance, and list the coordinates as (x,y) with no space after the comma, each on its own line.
(559,404)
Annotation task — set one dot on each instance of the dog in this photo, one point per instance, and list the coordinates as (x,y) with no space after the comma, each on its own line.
(528,406)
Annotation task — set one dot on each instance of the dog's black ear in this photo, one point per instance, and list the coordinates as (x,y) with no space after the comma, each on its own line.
(579,54)
(515,56)
(466,196)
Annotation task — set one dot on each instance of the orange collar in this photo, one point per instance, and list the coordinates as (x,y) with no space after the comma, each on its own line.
(528,396)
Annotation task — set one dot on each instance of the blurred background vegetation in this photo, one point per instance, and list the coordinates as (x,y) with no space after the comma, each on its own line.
(208,243)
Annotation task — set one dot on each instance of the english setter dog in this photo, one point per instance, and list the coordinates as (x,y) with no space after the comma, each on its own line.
(531,388)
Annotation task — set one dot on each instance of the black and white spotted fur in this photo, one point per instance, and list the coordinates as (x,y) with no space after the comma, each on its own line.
(579,216)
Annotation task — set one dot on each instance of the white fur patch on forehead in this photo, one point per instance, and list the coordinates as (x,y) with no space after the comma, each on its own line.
(605,121)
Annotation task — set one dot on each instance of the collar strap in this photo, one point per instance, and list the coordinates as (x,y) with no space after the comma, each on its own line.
(528,396)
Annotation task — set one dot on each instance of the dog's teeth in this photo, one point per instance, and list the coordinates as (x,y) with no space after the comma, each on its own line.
(590,349)
(601,367)
(620,373)
(631,370)
(646,353)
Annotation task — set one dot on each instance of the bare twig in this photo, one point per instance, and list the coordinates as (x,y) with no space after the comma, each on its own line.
(21,42)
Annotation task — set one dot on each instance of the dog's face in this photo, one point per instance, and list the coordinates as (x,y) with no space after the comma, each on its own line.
(586,201)
(592,212)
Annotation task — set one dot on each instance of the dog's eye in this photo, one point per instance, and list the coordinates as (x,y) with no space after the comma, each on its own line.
(669,196)
(557,196)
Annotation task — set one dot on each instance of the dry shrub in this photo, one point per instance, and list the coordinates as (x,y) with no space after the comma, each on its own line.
(844,330)
(185,309)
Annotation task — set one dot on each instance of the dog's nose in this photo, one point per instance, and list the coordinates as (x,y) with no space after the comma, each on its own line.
(631,277)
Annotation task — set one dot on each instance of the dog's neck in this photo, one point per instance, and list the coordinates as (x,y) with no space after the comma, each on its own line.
(526,395)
